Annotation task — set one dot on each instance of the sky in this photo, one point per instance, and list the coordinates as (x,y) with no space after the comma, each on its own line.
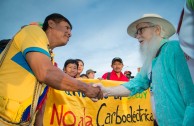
(99,27)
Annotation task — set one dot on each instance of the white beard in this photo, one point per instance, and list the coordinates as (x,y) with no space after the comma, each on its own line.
(148,52)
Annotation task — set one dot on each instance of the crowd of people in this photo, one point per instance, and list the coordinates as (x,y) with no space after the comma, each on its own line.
(75,67)
(28,70)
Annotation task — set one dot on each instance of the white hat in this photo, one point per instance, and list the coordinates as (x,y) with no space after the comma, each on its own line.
(156,19)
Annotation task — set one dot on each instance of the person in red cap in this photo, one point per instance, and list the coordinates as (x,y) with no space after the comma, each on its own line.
(116,74)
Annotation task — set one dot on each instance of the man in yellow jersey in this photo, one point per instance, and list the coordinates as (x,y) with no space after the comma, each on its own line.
(27,64)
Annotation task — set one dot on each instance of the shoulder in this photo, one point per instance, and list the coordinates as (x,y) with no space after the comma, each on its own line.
(124,77)
(32,27)
(33,30)
(172,46)
(32,34)
(105,75)
(171,50)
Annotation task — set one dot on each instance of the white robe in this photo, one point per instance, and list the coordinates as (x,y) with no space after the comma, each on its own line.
(186,37)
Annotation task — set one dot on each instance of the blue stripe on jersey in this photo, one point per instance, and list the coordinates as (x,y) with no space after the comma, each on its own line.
(20,60)
(35,49)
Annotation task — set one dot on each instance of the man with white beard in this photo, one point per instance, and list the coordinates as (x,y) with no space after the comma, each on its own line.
(164,71)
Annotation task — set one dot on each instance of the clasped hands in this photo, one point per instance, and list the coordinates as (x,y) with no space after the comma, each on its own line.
(96,92)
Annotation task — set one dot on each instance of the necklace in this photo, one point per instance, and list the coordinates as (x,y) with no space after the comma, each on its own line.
(51,54)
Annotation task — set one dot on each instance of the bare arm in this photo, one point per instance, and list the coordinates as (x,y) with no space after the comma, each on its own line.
(114,91)
(118,91)
(46,73)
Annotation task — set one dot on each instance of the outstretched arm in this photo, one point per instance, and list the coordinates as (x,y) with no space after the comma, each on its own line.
(46,73)
(114,91)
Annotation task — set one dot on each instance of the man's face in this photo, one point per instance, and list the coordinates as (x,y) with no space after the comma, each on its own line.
(144,32)
(117,66)
(147,35)
(59,33)
(149,39)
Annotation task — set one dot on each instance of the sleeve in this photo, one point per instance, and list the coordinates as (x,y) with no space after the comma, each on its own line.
(179,68)
(32,39)
(137,84)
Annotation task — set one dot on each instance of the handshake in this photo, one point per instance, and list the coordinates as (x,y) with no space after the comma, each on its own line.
(97,91)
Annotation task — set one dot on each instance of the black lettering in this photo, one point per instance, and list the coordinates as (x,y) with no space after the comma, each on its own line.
(139,111)
(118,97)
(139,115)
(118,118)
(134,116)
(131,114)
(104,104)
(68,93)
(124,118)
(73,93)
(128,117)
(105,97)
(108,119)
(83,95)
(79,93)
(151,117)
(112,116)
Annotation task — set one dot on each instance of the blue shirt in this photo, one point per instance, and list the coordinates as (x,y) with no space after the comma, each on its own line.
(172,87)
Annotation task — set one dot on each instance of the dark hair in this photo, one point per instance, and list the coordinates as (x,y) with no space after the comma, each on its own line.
(117,59)
(83,75)
(70,61)
(3,44)
(80,61)
(56,18)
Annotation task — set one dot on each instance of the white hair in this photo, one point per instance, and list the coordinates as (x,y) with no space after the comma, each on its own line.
(162,33)
(148,51)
